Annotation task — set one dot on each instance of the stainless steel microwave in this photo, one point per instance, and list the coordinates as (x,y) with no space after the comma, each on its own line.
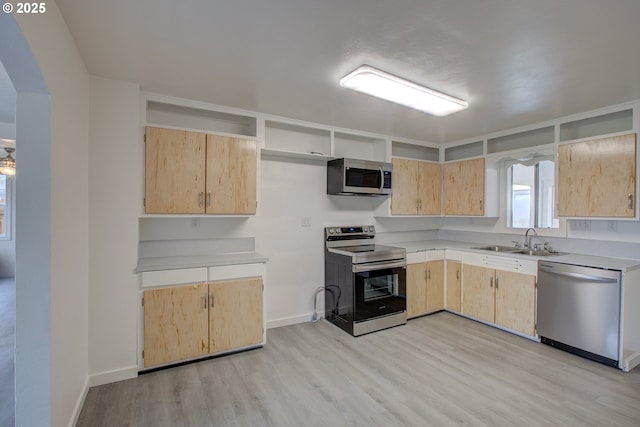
(359,177)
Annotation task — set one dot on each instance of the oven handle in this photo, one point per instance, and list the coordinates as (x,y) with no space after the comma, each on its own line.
(380,265)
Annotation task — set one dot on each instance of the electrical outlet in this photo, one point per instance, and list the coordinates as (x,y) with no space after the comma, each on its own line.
(305,221)
(612,226)
(581,225)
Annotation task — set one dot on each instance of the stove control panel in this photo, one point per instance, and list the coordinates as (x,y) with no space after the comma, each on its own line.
(363,231)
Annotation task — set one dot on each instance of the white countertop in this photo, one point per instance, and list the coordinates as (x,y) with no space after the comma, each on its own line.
(577,259)
(195,261)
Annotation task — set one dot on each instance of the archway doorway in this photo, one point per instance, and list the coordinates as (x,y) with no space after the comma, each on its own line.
(33,195)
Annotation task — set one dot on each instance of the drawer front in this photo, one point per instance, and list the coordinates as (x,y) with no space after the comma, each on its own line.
(173,277)
(238,271)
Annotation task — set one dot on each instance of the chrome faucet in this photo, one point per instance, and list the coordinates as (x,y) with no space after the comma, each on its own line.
(527,238)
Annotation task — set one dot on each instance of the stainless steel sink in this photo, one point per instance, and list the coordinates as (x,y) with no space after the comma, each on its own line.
(497,248)
(535,253)
(512,250)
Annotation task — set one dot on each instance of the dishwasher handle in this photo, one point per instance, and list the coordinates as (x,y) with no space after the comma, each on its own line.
(598,278)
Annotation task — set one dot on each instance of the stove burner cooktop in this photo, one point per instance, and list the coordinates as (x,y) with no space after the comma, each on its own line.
(367,248)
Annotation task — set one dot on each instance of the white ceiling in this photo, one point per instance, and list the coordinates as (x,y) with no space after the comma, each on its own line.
(517,62)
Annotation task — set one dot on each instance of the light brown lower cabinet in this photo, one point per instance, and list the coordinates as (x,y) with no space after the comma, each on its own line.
(454,282)
(501,297)
(176,324)
(235,315)
(425,288)
(184,322)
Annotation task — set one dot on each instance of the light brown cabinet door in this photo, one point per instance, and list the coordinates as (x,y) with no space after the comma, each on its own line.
(478,293)
(425,288)
(463,187)
(515,301)
(597,178)
(454,275)
(435,286)
(429,188)
(231,175)
(176,324)
(404,198)
(174,171)
(416,289)
(235,314)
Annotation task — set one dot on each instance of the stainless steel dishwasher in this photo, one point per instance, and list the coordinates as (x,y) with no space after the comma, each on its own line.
(579,310)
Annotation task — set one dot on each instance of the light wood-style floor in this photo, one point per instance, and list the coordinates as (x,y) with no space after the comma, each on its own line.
(439,370)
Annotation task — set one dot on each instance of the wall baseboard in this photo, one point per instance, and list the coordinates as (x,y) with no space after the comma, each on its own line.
(285,321)
(79,404)
(113,376)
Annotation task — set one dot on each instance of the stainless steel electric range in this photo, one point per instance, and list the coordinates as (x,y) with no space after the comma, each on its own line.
(365,283)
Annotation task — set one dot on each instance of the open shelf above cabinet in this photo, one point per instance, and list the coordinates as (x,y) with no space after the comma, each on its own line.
(296,141)
(521,140)
(619,121)
(178,116)
(464,151)
(359,147)
(416,152)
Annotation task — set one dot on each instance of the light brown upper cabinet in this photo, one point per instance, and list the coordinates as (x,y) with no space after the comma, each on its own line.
(195,173)
(416,187)
(597,178)
(464,184)
(175,171)
(231,175)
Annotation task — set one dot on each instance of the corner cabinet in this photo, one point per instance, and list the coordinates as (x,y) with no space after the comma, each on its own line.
(196,173)
(416,187)
(597,178)
(190,321)
(464,187)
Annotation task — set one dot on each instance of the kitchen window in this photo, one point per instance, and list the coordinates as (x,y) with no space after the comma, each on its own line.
(530,193)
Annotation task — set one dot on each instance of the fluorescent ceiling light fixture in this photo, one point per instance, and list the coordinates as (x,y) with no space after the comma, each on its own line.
(374,82)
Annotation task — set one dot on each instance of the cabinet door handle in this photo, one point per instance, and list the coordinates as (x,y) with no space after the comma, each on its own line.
(480,204)
(209,199)
(458,274)
(496,283)
(204,302)
(201,198)
(630,201)
(212,300)
(491,282)
(428,274)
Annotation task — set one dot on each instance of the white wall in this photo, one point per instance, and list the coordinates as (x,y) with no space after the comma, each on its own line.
(68,83)
(114,171)
(288,190)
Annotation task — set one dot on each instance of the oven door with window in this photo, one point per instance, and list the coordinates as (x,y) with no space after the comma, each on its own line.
(379,290)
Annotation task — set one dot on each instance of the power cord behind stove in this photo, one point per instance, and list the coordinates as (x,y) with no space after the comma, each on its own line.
(315,317)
